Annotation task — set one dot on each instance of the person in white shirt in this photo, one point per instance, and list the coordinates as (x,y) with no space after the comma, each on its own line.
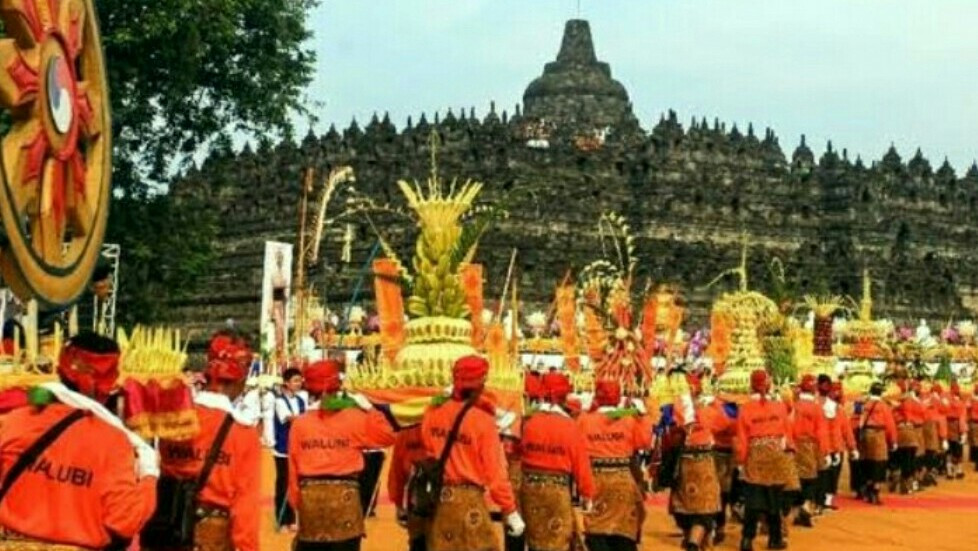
(290,404)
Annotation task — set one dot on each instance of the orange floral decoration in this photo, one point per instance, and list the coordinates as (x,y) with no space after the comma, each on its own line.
(390,306)
(471,279)
(496,345)
(721,328)
(597,337)
(650,313)
(570,343)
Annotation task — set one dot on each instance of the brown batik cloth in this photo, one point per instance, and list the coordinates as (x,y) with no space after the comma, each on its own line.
(11,541)
(806,459)
(697,490)
(973,433)
(547,510)
(515,476)
(793,481)
(873,445)
(767,463)
(619,508)
(921,440)
(213,530)
(723,461)
(932,440)
(461,521)
(329,510)
(907,436)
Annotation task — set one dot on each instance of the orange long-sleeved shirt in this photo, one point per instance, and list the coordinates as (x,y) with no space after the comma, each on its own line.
(609,438)
(81,490)
(757,419)
(809,422)
(477,457)
(726,434)
(234,483)
(878,414)
(910,410)
(933,412)
(408,450)
(552,443)
(840,433)
(331,443)
(702,430)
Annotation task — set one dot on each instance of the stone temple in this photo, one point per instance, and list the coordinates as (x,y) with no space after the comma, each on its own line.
(575,150)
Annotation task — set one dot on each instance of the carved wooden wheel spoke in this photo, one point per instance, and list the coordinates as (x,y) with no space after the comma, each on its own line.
(56,155)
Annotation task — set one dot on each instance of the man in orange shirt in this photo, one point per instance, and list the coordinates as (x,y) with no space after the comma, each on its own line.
(810,432)
(615,436)
(763,436)
(935,435)
(695,497)
(972,411)
(228,504)
(957,430)
(878,436)
(840,441)
(909,416)
(475,464)
(554,455)
(87,489)
(326,458)
(408,450)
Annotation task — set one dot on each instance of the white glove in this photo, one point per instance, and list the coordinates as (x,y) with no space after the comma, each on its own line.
(514,524)
(402,517)
(945,445)
(361,401)
(893,448)
(836,459)
(147,462)
(828,461)
(504,420)
(588,507)
(854,455)
(639,405)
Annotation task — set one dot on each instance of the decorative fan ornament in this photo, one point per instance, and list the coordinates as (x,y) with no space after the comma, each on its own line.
(56,156)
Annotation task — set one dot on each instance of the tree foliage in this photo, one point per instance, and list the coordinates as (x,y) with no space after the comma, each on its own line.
(184,75)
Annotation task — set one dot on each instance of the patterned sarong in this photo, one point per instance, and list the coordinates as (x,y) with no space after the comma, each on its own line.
(11,541)
(907,436)
(953,430)
(723,460)
(806,459)
(329,510)
(697,489)
(932,440)
(793,482)
(547,510)
(213,530)
(922,443)
(873,445)
(766,462)
(973,433)
(461,521)
(618,508)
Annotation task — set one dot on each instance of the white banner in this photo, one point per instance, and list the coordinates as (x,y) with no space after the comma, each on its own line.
(276,298)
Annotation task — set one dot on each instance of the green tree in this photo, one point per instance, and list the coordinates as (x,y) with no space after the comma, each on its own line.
(183,76)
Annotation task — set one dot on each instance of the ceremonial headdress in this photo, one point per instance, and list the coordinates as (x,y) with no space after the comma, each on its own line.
(228,359)
(323,377)
(556,387)
(90,363)
(469,373)
(607,392)
(807,384)
(760,383)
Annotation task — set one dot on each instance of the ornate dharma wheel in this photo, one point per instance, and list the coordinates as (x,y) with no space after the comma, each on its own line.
(56,151)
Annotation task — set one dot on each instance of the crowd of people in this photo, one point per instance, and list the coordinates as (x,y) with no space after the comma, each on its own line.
(568,474)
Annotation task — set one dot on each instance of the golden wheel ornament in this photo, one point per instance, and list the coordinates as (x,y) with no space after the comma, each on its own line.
(56,155)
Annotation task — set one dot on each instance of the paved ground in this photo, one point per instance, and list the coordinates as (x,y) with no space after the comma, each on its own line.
(941,519)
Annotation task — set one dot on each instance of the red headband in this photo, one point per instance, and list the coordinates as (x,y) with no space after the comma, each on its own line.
(469,373)
(607,392)
(228,359)
(807,384)
(759,382)
(323,377)
(556,387)
(93,374)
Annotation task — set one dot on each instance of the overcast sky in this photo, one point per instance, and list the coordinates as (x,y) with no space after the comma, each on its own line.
(863,73)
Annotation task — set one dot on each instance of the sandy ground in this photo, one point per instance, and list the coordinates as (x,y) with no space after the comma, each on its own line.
(941,519)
